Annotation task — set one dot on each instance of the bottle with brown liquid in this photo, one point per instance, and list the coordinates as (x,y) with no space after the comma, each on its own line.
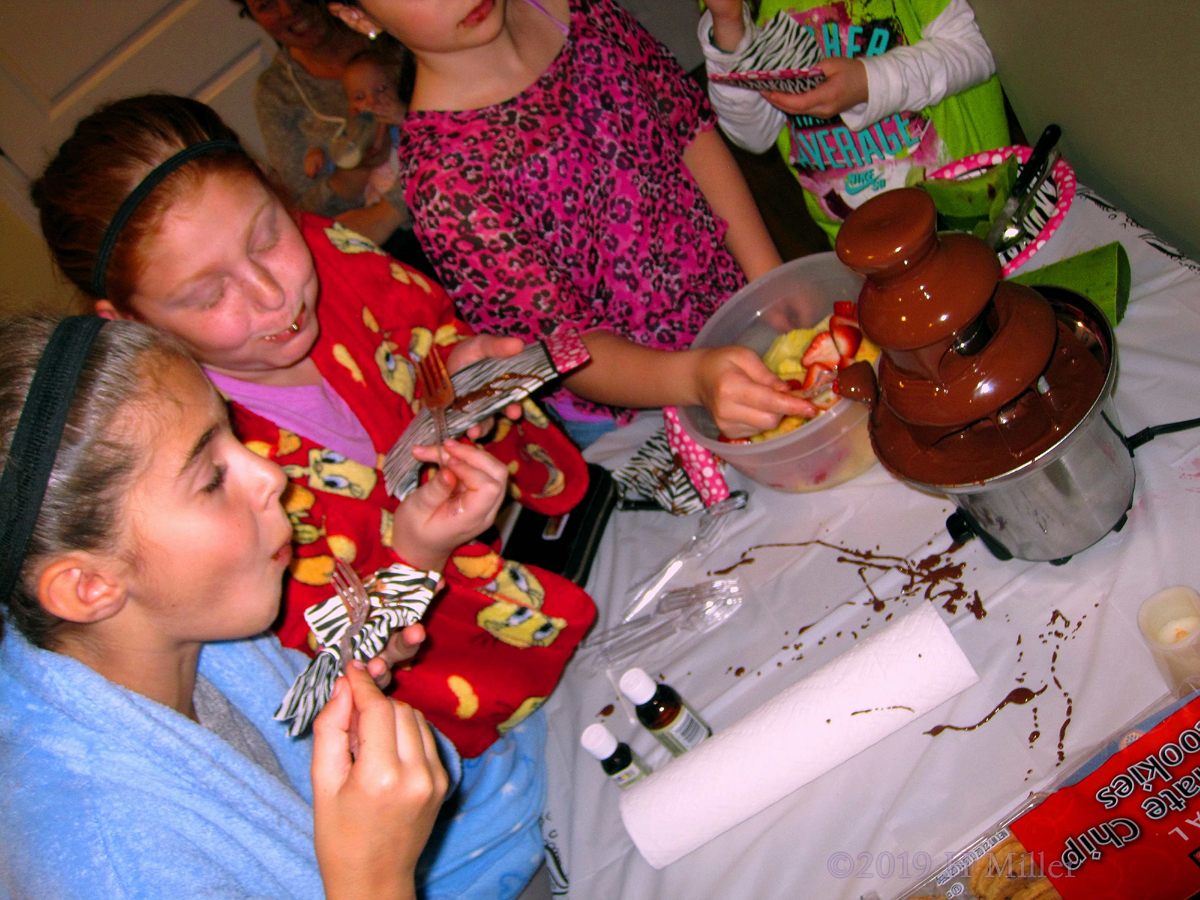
(664,713)
(619,762)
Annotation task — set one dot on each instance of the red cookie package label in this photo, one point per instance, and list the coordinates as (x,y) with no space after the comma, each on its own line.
(1131,828)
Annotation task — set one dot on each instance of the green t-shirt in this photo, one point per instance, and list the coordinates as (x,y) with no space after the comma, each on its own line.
(840,169)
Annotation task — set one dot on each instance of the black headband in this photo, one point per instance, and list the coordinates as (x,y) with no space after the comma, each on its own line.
(35,442)
(134,200)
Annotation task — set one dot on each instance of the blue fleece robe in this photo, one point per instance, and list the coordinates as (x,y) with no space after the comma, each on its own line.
(105,793)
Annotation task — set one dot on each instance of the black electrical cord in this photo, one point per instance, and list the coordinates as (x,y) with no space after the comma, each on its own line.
(1148,434)
(962,526)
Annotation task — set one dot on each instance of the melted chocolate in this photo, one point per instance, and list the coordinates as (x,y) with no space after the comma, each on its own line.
(728,569)
(1062,731)
(935,577)
(857,382)
(859,712)
(977,376)
(491,389)
(985,448)
(1019,696)
(1063,632)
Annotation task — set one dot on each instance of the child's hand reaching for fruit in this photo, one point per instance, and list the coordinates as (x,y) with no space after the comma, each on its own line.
(807,361)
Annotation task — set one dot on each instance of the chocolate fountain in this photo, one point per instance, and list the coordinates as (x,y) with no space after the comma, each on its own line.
(994,393)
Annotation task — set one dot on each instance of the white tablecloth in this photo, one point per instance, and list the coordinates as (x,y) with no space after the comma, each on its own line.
(893,812)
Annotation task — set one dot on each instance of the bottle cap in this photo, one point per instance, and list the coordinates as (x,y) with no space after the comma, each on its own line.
(598,741)
(638,686)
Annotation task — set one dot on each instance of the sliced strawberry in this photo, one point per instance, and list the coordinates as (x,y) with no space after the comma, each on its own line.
(843,320)
(817,373)
(847,308)
(847,338)
(728,440)
(794,384)
(822,351)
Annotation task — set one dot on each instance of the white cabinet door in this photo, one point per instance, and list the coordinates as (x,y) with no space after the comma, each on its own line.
(59,59)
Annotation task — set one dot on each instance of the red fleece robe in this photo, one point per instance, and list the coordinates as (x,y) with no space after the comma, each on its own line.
(499,633)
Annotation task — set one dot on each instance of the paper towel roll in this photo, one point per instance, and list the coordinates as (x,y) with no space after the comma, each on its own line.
(861,697)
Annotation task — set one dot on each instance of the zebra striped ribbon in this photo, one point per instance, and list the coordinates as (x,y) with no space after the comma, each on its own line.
(656,473)
(399,596)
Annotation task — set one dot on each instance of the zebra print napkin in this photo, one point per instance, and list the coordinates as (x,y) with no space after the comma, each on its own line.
(781,58)
(399,596)
(481,390)
(657,473)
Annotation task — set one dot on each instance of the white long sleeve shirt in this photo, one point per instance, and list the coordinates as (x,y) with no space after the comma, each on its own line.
(950,57)
(843,161)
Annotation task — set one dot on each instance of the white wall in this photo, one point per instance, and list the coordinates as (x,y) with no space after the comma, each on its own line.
(59,59)
(1123,81)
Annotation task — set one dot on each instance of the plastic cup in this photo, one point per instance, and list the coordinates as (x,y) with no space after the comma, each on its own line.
(1170,625)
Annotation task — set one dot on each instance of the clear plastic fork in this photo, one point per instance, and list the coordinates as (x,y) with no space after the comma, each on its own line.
(437,391)
(354,597)
(697,609)
(712,525)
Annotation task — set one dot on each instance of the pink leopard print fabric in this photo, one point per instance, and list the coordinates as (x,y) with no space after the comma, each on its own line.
(571,202)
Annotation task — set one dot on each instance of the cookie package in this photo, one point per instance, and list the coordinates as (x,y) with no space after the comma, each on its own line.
(1123,823)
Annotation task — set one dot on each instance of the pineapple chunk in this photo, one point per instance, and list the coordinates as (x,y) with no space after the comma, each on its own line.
(787,349)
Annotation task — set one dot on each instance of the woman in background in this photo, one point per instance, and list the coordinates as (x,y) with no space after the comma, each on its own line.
(301,105)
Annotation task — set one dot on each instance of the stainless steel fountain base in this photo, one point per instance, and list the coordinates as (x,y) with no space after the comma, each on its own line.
(1058,509)
(1076,492)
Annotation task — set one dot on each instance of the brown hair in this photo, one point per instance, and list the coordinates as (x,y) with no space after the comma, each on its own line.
(101,163)
(98,456)
(244,7)
(396,60)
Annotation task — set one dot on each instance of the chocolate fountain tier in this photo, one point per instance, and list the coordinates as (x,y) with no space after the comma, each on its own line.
(977,376)
(987,391)
(1012,436)
(922,288)
(1017,334)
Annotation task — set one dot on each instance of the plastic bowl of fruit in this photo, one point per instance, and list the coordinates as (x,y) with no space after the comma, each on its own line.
(802,319)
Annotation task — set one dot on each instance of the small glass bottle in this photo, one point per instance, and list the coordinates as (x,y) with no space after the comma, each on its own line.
(664,713)
(620,764)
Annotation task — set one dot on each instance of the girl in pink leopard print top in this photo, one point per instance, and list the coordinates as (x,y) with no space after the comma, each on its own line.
(562,169)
